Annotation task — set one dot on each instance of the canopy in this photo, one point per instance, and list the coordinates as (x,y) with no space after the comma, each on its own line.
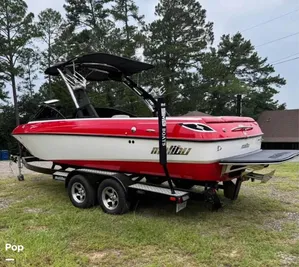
(100,66)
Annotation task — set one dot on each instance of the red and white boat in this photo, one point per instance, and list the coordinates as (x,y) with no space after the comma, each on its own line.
(199,149)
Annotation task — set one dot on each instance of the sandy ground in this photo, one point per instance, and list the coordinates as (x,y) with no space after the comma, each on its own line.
(296,159)
(9,169)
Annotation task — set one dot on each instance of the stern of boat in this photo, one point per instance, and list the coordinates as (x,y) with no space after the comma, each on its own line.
(246,166)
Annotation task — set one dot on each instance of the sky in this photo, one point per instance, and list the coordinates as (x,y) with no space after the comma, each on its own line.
(231,16)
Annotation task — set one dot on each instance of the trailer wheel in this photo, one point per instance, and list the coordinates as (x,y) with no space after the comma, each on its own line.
(112,197)
(184,184)
(80,192)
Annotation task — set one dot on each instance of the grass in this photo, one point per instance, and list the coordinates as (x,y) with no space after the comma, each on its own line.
(259,229)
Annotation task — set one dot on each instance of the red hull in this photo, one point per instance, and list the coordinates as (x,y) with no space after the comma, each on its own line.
(223,128)
(192,171)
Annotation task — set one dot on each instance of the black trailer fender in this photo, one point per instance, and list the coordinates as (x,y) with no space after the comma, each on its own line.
(97,176)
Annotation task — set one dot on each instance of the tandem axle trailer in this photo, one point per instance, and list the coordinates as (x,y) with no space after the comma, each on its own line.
(116,192)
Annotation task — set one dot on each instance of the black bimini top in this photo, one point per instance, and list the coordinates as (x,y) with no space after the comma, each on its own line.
(100,67)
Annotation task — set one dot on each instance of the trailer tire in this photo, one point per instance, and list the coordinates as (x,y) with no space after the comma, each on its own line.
(112,197)
(81,193)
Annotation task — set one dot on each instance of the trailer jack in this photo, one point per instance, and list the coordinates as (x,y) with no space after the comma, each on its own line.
(211,197)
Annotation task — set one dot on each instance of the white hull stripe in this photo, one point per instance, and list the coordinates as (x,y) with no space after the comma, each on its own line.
(68,147)
(145,137)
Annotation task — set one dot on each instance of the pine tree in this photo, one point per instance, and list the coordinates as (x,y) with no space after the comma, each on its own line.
(218,86)
(128,36)
(91,24)
(235,68)
(50,27)
(3,93)
(30,59)
(16,30)
(109,27)
(125,40)
(6,126)
(175,44)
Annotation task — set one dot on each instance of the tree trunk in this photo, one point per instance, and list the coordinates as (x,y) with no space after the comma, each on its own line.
(167,84)
(15,99)
(49,64)
(126,22)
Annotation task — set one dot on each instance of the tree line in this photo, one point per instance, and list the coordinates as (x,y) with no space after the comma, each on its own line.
(190,72)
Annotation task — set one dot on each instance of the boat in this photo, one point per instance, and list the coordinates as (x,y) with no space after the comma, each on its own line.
(198,149)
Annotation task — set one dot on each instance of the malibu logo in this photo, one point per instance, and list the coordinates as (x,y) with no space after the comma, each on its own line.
(245,146)
(173,150)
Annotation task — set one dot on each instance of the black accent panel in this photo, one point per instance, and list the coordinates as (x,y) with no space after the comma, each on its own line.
(198,127)
(101,66)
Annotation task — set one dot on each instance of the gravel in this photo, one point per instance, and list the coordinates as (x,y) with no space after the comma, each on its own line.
(287,259)
(277,224)
(4,203)
(9,169)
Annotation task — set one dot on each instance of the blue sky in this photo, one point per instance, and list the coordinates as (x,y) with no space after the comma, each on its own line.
(231,16)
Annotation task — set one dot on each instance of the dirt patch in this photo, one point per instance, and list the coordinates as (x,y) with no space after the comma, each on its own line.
(277,224)
(272,191)
(98,256)
(33,210)
(293,216)
(141,257)
(9,169)
(286,198)
(4,203)
(147,254)
(3,228)
(37,228)
(288,259)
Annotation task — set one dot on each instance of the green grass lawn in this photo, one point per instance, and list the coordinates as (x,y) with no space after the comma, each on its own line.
(261,228)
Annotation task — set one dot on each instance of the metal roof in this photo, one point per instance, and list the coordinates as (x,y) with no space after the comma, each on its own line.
(280,125)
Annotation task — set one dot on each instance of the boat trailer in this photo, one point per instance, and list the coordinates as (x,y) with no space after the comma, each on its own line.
(116,192)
